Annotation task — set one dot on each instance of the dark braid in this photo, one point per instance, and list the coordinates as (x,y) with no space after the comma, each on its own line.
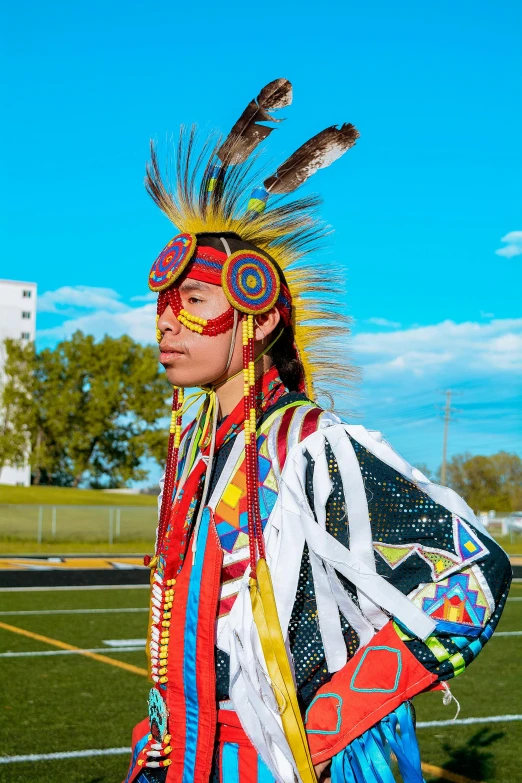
(284,356)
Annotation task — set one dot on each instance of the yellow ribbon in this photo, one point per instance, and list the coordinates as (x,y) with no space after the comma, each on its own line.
(266,619)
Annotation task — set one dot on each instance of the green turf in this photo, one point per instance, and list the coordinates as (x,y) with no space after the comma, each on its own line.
(510,544)
(73,524)
(57,496)
(70,702)
(59,703)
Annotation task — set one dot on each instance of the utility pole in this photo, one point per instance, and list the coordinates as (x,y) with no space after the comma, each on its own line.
(447,417)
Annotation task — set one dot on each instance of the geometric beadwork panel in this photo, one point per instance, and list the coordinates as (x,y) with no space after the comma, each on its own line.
(467,545)
(231,513)
(231,519)
(442,563)
(460,604)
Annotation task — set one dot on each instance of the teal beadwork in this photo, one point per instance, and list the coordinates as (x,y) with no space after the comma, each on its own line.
(378,690)
(339,719)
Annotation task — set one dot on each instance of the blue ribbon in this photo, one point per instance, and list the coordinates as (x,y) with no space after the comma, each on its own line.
(368,758)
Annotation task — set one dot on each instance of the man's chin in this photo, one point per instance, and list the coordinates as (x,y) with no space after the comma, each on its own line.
(185,380)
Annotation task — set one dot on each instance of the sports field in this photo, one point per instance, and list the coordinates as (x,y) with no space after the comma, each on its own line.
(81,708)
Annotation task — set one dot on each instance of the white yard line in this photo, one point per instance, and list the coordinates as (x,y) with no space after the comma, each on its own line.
(467,721)
(139,643)
(39,653)
(507,633)
(74,754)
(76,611)
(71,754)
(73,587)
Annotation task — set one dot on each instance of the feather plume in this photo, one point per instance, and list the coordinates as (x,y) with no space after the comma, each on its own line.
(247,133)
(288,231)
(317,153)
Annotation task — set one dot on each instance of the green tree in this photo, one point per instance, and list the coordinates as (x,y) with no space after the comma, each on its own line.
(98,411)
(16,406)
(488,483)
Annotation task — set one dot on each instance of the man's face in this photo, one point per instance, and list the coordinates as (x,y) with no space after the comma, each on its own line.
(192,359)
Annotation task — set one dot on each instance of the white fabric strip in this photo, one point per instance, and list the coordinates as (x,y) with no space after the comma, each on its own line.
(361,543)
(230,588)
(328,617)
(322,486)
(293,503)
(362,627)
(294,431)
(327,609)
(251,695)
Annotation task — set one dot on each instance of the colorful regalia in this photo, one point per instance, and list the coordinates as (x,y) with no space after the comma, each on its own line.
(307,582)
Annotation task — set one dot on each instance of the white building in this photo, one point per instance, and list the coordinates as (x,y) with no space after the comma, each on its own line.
(18,321)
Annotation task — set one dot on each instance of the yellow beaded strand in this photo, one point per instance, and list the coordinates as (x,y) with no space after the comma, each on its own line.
(249,376)
(192,322)
(175,419)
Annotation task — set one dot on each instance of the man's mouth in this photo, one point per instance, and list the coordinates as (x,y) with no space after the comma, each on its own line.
(168,355)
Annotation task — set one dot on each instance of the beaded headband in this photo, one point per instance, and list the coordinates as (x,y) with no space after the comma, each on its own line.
(250,280)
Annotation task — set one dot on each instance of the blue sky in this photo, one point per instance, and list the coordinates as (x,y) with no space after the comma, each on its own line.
(420,206)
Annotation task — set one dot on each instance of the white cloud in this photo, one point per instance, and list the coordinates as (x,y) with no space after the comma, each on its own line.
(137,322)
(109,315)
(383,322)
(80,296)
(462,349)
(513,245)
(150,297)
(404,373)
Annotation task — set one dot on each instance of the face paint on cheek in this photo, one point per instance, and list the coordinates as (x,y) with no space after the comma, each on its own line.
(210,327)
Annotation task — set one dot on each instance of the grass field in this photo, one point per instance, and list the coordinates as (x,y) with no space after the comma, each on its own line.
(67,702)
(69,524)
(54,496)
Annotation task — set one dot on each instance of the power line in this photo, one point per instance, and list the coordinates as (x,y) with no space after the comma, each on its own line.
(448,410)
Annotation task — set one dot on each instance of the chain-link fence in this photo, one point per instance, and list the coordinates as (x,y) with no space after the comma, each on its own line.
(77,523)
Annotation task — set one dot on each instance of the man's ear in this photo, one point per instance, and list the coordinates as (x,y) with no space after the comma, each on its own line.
(266,323)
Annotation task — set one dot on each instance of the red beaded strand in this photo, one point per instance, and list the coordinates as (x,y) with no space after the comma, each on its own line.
(172,465)
(255,530)
(260,542)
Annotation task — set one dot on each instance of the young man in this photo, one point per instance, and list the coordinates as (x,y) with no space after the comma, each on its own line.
(307,581)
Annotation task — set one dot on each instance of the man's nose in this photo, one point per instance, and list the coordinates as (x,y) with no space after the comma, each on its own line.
(168,322)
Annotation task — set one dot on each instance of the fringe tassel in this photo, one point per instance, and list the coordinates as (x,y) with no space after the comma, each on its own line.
(367,759)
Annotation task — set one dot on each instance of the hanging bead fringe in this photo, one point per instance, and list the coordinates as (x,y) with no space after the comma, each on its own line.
(172,464)
(255,530)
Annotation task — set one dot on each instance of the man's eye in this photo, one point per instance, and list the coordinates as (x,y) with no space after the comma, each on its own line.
(194,300)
